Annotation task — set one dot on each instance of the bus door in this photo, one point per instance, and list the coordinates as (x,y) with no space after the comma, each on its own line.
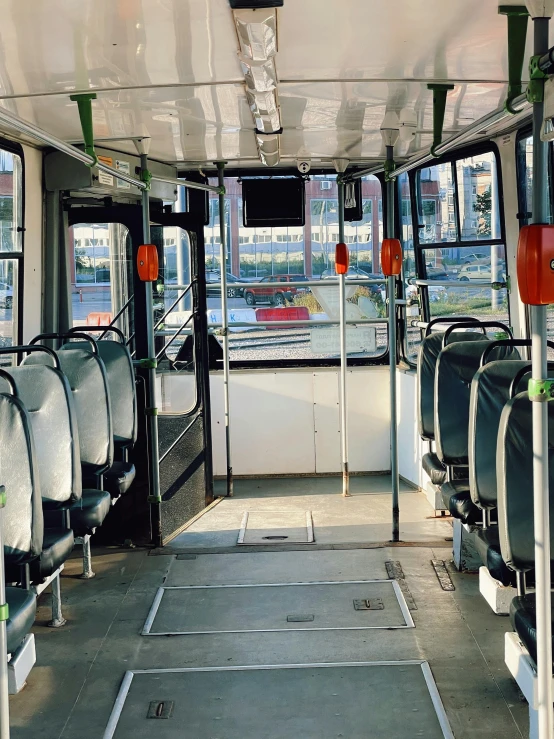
(106,287)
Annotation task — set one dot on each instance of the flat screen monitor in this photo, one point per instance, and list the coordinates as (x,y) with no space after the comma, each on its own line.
(273,202)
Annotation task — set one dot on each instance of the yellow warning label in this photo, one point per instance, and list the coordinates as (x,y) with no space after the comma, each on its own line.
(103,177)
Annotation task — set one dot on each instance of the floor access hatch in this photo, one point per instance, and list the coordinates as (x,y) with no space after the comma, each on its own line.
(216,609)
(263,528)
(365,700)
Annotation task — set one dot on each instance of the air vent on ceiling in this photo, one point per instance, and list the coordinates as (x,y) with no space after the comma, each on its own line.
(255,4)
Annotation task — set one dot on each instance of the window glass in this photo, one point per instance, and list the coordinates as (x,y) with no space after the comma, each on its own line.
(436,204)
(478,196)
(412,334)
(101,276)
(280,255)
(11,244)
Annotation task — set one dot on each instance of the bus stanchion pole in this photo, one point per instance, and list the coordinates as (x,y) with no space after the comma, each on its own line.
(4,696)
(149,363)
(340,165)
(541,495)
(225,323)
(390,132)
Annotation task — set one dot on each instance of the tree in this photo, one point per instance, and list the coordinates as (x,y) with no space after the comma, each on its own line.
(483,207)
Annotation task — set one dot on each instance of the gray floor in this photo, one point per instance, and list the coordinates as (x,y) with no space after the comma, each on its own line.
(72,690)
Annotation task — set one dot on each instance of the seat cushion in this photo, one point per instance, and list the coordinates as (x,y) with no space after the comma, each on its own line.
(22,606)
(119,478)
(457,499)
(89,512)
(434,468)
(523,616)
(57,545)
(487,543)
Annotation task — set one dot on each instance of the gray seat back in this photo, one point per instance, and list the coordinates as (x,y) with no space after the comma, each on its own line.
(121,381)
(86,375)
(45,393)
(456,368)
(22,523)
(429,351)
(514,471)
(490,391)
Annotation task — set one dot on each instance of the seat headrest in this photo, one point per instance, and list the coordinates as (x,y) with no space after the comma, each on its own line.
(22,522)
(456,368)
(429,351)
(490,391)
(514,471)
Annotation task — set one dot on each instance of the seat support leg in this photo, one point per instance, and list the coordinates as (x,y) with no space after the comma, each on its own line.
(88,572)
(57,616)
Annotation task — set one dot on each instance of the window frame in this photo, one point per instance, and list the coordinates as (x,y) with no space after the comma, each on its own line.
(485,147)
(18,256)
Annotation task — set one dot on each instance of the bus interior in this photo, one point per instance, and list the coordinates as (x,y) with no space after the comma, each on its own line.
(276,329)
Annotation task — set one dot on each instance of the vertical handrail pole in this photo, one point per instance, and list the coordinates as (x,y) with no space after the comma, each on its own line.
(151,410)
(389,233)
(343,356)
(541,496)
(4,696)
(225,323)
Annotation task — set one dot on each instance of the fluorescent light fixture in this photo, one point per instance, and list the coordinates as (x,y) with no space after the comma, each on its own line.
(257,32)
(268,149)
(265,111)
(259,76)
(390,128)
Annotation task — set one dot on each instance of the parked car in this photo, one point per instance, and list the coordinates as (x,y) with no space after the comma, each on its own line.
(355,273)
(6,295)
(437,273)
(235,286)
(480,272)
(276,292)
(475,257)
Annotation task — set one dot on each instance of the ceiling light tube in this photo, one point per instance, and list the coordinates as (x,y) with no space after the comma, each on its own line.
(268,149)
(257,32)
(265,111)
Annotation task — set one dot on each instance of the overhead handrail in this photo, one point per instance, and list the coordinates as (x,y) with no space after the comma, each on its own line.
(458,283)
(66,335)
(480,325)
(80,330)
(29,349)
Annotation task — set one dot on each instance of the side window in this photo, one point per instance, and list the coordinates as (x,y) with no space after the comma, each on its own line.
(458,241)
(11,248)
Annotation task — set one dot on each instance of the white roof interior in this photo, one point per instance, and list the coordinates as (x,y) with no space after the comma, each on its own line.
(169,69)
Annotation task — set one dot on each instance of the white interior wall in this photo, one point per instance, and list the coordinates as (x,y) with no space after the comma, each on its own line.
(32,259)
(287,421)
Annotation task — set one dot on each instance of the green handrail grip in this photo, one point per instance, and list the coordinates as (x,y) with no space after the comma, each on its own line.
(4,612)
(154,499)
(518,17)
(148,363)
(440,92)
(221,190)
(3,497)
(150,411)
(146,177)
(388,167)
(541,391)
(535,88)
(84,105)
(501,335)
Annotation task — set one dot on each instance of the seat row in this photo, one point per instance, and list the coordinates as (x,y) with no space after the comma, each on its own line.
(68,422)
(475,413)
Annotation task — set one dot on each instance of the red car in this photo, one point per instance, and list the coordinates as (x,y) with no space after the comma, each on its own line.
(276,292)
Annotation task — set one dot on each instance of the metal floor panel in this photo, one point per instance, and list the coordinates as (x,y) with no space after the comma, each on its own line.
(362,700)
(218,609)
(276,527)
